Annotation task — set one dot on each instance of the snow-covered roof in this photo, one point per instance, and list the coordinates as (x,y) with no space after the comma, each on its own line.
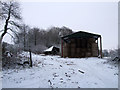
(49,49)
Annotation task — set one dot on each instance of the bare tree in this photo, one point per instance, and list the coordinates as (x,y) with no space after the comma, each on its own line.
(35,32)
(40,39)
(21,38)
(9,13)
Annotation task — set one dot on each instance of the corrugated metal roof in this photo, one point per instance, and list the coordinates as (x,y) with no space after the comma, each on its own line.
(81,34)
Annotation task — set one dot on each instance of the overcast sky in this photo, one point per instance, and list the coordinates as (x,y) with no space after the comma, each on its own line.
(95,17)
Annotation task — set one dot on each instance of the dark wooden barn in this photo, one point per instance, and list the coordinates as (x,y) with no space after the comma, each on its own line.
(81,44)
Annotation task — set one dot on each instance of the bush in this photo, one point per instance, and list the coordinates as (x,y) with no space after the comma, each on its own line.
(9,56)
(38,49)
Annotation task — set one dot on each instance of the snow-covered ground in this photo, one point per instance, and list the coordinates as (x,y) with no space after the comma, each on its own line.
(57,72)
(0,80)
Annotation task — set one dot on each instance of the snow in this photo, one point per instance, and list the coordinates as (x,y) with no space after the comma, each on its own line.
(0,80)
(49,49)
(56,72)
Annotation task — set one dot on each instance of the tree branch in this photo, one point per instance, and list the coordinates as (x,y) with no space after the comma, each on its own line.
(6,23)
(1,30)
(10,35)
(8,10)
(13,32)
(15,24)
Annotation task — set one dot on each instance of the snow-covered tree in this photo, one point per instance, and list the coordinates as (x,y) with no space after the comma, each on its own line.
(10,15)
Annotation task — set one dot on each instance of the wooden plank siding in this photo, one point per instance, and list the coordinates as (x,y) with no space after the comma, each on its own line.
(80,48)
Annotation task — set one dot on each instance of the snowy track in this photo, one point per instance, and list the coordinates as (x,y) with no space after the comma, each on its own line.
(56,72)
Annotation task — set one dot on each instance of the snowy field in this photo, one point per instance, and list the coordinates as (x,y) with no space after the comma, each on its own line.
(57,72)
(0,80)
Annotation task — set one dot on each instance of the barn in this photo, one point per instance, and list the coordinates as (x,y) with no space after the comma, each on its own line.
(81,44)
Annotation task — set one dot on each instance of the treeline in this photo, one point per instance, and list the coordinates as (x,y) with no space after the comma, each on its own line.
(111,53)
(33,40)
(38,39)
(25,38)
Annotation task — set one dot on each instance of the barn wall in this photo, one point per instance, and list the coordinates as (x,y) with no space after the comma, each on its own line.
(65,49)
(71,49)
(94,50)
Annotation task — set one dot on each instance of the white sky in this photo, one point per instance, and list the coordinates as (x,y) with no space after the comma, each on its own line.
(96,17)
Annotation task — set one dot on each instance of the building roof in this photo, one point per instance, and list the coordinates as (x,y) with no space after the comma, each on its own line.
(49,49)
(81,34)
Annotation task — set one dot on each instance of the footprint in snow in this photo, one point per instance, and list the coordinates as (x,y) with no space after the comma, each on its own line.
(73,72)
(116,74)
(21,78)
(55,75)
(75,82)
(32,73)
(67,75)
(61,80)
(60,65)
(68,79)
(95,83)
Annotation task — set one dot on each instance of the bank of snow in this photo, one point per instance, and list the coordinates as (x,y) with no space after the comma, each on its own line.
(57,72)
